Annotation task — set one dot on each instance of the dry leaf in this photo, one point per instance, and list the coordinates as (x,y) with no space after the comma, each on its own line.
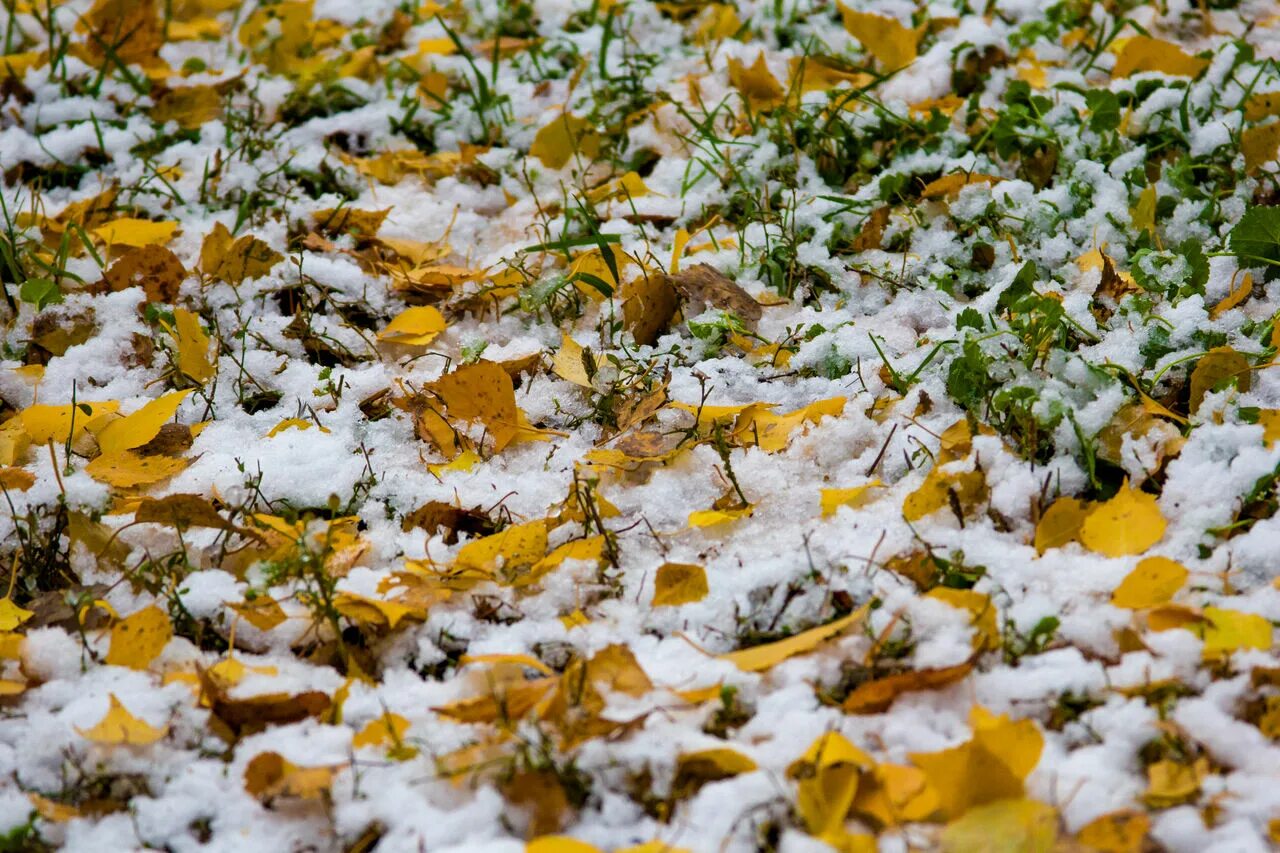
(1218,367)
(139,639)
(417,326)
(760,658)
(1143,53)
(120,728)
(858,496)
(571,363)
(155,269)
(695,769)
(679,583)
(890,42)
(60,424)
(118,434)
(1154,581)
(1020,825)
(194,361)
(1060,524)
(872,697)
(1116,832)
(563,137)
(1129,523)
(135,232)
(269,775)
(756,83)
(702,284)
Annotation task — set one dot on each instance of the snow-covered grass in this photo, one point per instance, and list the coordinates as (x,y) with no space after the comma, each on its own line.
(561,425)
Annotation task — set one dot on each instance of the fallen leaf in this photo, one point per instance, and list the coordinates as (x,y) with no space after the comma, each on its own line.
(120,728)
(559,844)
(948,186)
(417,326)
(1143,53)
(139,638)
(989,767)
(235,260)
(571,363)
(127,469)
(712,517)
(872,697)
(194,361)
(269,775)
(679,583)
(1153,582)
(118,434)
(858,496)
(1060,524)
(695,769)
(1226,631)
(755,83)
(1129,523)
(135,232)
(1216,368)
(481,392)
(760,658)
(17,479)
(1237,295)
(962,490)
(1171,783)
(564,136)
(757,426)
(11,615)
(986,629)
(376,612)
(155,269)
(828,776)
(703,284)
(1116,832)
(60,424)
(515,547)
(130,30)
(889,41)
(261,612)
(1004,826)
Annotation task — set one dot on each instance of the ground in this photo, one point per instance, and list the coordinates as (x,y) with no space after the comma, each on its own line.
(554,425)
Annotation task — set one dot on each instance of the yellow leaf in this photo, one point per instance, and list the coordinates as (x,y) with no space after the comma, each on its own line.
(1143,214)
(193,346)
(1218,367)
(969,489)
(694,769)
(234,260)
(1143,53)
(833,499)
(717,21)
(276,34)
(1170,783)
(376,612)
(1236,296)
(1259,145)
(126,469)
(986,629)
(629,186)
(189,106)
(889,41)
(270,775)
(417,326)
(1116,832)
(1060,524)
(139,639)
(14,440)
(135,232)
(287,424)
(464,461)
(16,65)
(559,844)
(481,392)
(1259,105)
(569,362)
(59,424)
(563,137)
(755,82)
(262,612)
(712,517)
(757,425)
(11,615)
(1129,523)
(950,185)
(679,583)
(576,619)
(812,74)
(989,767)
(828,775)
(140,427)
(590,549)
(1226,631)
(1004,826)
(515,547)
(120,728)
(1153,582)
(387,730)
(197,29)
(760,658)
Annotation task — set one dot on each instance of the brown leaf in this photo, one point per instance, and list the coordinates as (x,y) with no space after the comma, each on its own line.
(129,29)
(703,284)
(255,713)
(481,392)
(183,511)
(173,439)
(872,697)
(872,232)
(434,515)
(542,799)
(153,268)
(649,303)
